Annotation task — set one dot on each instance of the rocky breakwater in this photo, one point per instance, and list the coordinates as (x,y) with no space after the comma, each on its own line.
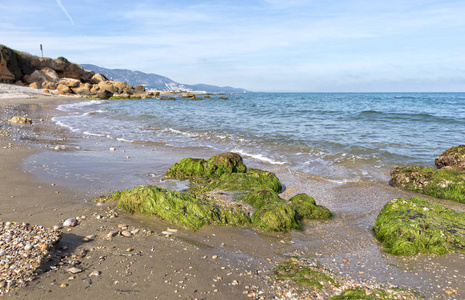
(223,191)
(446,182)
(61,77)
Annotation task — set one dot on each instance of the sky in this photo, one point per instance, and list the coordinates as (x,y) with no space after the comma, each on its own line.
(258,45)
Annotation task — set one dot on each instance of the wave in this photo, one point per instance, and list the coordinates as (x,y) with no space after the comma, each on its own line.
(259,157)
(77,105)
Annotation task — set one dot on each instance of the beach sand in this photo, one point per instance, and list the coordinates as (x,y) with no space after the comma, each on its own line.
(213,263)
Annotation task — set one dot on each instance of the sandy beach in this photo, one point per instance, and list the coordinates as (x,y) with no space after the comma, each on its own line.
(213,263)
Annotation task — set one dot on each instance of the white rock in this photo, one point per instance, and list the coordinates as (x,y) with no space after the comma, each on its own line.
(167,232)
(125,233)
(71,222)
(28,247)
(2,252)
(94,273)
(74,270)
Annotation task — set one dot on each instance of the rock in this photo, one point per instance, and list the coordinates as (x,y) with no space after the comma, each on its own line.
(20,120)
(36,77)
(49,85)
(139,89)
(63,89)
(126,233)
(35,85)
(6,59)
(83,89)
(415,226)
(71,222)
(440,183)
(50,74)
(112,233)
(97,78)
(94,273)
(28,247)
(46,91)
(306,207)
(167,232)
(452,159)
(2,252)
(223,98)
(122,226)
(57,227)
(188,95)
(70,82)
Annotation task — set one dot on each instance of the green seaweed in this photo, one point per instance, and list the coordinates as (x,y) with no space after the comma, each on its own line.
(440,183)
(297,270)
(362,294)
(276,217)
(223,192)
(414,226)
(306,207)
(178,208)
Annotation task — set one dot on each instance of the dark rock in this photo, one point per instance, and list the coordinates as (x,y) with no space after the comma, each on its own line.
(453,159)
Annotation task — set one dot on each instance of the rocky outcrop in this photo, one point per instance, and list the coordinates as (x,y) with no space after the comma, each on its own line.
(59,74)
(20,120)
(446,182)
(223,192)
(452,159)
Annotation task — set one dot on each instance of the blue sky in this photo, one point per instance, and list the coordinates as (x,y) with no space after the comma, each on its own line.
(260,45)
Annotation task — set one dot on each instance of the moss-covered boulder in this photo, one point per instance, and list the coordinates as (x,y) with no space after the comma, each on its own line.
(178,208)
(442,183)
(453,159)
(414,226)
(306,207)
(216,166)
(223,192)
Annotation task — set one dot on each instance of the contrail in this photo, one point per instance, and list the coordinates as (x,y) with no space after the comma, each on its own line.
(65,11)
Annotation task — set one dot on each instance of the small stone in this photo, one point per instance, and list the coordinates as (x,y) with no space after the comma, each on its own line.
(63,285)
(125,233)
(112,233)
(214,256)
(345,261)
(112,148)
(57,227)
(28,247)
(71,222)
(2,252)
(122,226)
(95,273)
(130,249)
(100,203)
(167,232)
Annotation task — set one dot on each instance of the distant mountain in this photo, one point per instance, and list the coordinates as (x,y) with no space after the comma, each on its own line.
(158,82)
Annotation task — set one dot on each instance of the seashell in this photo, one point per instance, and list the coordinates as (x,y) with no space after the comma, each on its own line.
(71,222)
(95,273)
(28,247)
(112,233)
(171,230)
(2,252)
(74,270)
(167,232)
(57,227)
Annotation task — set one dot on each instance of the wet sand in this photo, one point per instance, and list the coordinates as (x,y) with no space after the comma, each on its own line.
(148,264)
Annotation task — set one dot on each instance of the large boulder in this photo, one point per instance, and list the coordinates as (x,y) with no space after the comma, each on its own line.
(63,90)
(50,85)
(20,120)
(452,159)
(5,74)
(70,82)
(83,89)
(414,226)
(442,183)
(97,78)
(139,89)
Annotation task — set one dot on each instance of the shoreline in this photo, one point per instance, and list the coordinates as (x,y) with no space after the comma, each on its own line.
(239,251)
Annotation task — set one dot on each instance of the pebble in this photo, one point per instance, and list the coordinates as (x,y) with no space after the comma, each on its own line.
(167,232)
(71,222)
(74,270)
(95,273)
(125,233)
(63,285)
(57,227)
(112,148)
(122,226)
(112,233)
(28,247)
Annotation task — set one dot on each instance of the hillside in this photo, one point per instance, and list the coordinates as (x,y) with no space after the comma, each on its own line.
(158,82)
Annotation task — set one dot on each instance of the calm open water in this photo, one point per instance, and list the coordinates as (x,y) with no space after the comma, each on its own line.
(338,136)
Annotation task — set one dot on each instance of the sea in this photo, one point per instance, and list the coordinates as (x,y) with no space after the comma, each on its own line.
(340,137)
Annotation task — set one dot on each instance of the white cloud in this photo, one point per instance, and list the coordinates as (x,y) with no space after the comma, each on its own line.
(65,11)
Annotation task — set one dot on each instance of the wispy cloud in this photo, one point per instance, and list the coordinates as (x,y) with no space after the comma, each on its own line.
(65,11)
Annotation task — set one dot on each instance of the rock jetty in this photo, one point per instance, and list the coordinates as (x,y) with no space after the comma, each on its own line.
(62,77)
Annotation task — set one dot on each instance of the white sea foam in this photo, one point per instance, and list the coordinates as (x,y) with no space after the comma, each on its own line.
(74,106)
(259,157)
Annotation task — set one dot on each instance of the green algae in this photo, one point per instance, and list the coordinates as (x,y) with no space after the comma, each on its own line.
(414,226)
(440,183)
(276,217)
(306,207)
(377,294)
(222,192)
(297,270)
(178,208)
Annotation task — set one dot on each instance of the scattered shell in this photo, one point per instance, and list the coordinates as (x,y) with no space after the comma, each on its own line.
(95,273)
(112,233)
(122,226)
(2,252)
(171,230)
(28,247)
(71,222)
(167,232)
(57,227)
(101,203)
(112,148)
(63,285)
(74,270)
(214,256)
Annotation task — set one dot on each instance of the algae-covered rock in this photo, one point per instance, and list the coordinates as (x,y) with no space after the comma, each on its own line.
(453,159)
(178,208)
(253,179)
(276,217)
(223,192)
(414,226)
(306,207)
(442,183)
(214,166)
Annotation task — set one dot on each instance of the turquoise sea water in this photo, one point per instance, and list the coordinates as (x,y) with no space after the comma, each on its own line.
(333,135)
